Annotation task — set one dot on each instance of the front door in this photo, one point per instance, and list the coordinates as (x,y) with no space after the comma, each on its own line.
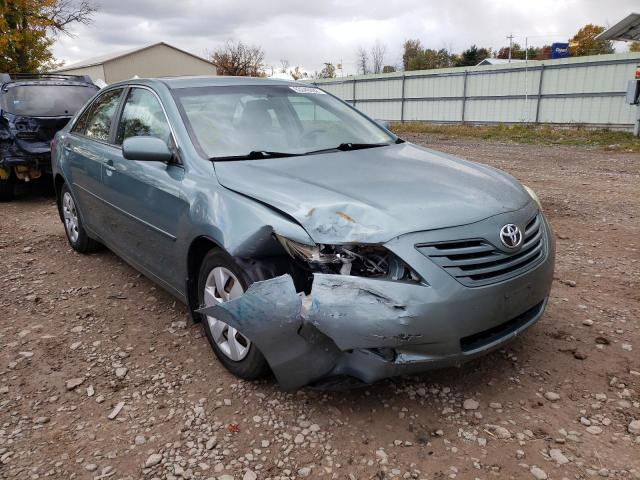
(146,197)
(86,151)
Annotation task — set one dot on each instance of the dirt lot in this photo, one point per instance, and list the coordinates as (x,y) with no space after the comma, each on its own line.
(82,335)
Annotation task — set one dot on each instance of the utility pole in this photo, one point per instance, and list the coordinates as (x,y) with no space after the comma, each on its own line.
(510,38)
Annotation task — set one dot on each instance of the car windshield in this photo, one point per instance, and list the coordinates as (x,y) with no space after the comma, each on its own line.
(46,100)
(242,121)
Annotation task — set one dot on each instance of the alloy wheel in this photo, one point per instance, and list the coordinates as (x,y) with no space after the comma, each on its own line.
(221,286)
(70,215)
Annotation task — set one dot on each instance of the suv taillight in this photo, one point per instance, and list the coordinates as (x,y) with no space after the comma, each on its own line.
(52,145)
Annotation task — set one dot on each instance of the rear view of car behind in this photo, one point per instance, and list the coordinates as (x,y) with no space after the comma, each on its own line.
(32,109)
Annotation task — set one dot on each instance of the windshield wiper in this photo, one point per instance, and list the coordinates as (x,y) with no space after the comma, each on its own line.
(256,155)
(349,146)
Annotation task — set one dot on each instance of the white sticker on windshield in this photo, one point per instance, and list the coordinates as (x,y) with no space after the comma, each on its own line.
(313,90)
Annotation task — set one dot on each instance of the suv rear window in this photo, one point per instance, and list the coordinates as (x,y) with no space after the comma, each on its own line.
(46,100)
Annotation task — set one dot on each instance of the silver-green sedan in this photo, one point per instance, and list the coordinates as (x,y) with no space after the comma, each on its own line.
(309,240)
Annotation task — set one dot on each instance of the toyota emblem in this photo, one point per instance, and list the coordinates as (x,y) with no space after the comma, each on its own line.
(511,236)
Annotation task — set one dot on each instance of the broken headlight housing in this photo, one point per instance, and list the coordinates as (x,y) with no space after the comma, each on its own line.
(372,261)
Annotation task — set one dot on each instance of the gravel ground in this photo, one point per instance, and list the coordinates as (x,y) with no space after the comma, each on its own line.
(103,376)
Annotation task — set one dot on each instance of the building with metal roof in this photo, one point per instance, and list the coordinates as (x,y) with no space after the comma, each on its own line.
(499,61)
(627,29)
(156,60)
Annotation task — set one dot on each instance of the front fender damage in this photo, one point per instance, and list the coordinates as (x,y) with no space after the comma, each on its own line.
(304,338)
(269,313)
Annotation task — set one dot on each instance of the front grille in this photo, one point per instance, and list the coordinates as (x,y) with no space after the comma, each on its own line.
(477,262)
(480,339)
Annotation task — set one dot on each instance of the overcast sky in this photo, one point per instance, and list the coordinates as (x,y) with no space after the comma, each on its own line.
(308,32)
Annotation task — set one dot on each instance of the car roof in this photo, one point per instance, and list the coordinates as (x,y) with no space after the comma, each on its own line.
(44,79)
(204,81)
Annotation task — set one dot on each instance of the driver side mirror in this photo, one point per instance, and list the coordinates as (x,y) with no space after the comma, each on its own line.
(146,149)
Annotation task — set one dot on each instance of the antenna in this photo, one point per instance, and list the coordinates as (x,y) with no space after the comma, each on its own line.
(510,38)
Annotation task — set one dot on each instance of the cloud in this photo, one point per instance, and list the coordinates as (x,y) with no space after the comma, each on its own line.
(310,33)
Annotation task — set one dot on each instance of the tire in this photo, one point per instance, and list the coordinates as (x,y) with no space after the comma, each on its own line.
(249,364)
(7,187)
(72,221)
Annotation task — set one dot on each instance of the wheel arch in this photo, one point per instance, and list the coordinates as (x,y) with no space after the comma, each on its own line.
(58,182)
(198,248)
(254,268)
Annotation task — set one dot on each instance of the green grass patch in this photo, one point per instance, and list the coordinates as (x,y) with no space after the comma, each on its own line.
(534,135)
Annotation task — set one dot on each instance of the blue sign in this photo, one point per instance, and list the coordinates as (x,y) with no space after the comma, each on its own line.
(559,50)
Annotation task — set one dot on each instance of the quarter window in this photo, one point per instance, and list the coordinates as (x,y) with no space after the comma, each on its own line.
(142,115)
(96,121)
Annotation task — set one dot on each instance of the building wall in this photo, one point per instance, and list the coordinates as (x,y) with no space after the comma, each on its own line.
(157,61)
(582,90)
(95,72)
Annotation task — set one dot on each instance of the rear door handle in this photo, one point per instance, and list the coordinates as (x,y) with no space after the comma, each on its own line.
(109,165)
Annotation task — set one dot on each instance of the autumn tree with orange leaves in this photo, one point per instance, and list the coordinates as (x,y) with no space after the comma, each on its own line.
(584,42)
(28,29)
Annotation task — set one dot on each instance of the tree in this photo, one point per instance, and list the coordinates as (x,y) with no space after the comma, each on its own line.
(362,61)
(428,59)
(284,65)
(237,58)
(297,74)
(377,57)
(544,53)
(472,56)
(415,57)
(584,42)
(28,29)
(412,49)
(517,52)
(329,71)
(388,69)
(635,46)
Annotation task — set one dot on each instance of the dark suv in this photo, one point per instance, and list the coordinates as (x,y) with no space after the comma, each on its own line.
(33,107)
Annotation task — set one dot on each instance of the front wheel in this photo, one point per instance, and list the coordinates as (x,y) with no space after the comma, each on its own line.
(219,281)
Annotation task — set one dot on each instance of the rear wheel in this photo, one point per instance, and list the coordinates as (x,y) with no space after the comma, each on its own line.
(7,186)
(219,281)
(76,234)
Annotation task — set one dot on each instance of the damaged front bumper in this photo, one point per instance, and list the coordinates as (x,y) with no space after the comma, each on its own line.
(372,329)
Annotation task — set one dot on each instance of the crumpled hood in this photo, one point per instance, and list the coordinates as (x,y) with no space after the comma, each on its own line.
(374,195)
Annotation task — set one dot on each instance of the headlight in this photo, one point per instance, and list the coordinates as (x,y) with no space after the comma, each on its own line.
(358,260)
(533,195)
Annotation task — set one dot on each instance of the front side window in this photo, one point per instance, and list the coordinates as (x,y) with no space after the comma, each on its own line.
(47,100)
(142,115)
(232,121)
(96,121)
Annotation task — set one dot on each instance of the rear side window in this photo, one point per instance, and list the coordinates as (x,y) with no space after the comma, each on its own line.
(142,115)
(96,121)
(47,100)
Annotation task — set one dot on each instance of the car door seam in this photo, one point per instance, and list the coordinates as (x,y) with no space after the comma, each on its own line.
(138,219)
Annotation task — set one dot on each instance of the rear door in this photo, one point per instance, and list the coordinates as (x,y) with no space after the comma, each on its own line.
(147,200)
(88,148)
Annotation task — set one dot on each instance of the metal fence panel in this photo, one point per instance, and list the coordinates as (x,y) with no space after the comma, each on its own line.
(582,90)
(587,110)
(433,110)
(380,110)
(375,90)
(342,90)
(434,86)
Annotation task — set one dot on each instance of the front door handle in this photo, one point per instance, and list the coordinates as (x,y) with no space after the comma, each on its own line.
(109,165)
